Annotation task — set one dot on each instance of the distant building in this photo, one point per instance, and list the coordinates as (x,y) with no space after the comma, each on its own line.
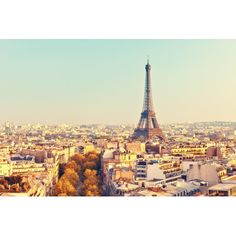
(210,172)
(189,150)
(86,148)
(224,190)
(175,189)
(112,145)
(153,148)
(36,187)
(214,152)
(128,159)
(154,170)
(136,147)
(18,165)
(121,188)
(123,173)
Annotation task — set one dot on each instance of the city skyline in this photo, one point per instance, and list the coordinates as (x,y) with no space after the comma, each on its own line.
(102,81)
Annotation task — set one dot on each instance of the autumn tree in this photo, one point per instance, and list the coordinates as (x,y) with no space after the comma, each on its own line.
(71,165)
(90,185)
(72,176)
(26,186)
(15,188)
(69,181)
(82,167)
(92,156)
(65,188)
(89,165)
(89,173)
(78,158)
(4,182)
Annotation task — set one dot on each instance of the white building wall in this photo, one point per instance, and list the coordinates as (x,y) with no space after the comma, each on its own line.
(153,172)
(203,172)
(186,165)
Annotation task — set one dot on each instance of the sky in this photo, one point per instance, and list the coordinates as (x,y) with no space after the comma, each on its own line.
(102,81)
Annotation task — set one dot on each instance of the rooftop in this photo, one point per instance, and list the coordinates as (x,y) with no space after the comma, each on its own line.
(21,158)
(222,187)
(150,193)
(126,186)
(233,177)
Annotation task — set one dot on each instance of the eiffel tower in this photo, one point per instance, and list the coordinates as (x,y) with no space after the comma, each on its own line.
(148,127)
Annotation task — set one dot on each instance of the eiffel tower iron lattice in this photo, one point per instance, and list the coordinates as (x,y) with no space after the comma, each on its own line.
(148,126)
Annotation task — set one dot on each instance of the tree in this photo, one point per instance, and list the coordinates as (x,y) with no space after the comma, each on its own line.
(2,187)
(92,156)
(65,188)
(72,176)
(88,173)
(72,165)
(90,185)
(78,158)
(15,188)
(58,188)
(84,167)
(62,195)
(4,182)
(26,186)
(70,190)
(89,165)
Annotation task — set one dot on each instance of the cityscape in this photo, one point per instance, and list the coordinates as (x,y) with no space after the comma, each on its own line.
(149,158)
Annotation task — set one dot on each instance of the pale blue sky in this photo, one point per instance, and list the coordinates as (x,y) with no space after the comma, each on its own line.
(102,81)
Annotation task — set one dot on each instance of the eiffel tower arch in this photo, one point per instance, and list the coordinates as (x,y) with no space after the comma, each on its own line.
(148,126)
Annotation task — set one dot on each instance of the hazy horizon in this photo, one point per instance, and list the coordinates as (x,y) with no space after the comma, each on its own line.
(110,124)
(102,81)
